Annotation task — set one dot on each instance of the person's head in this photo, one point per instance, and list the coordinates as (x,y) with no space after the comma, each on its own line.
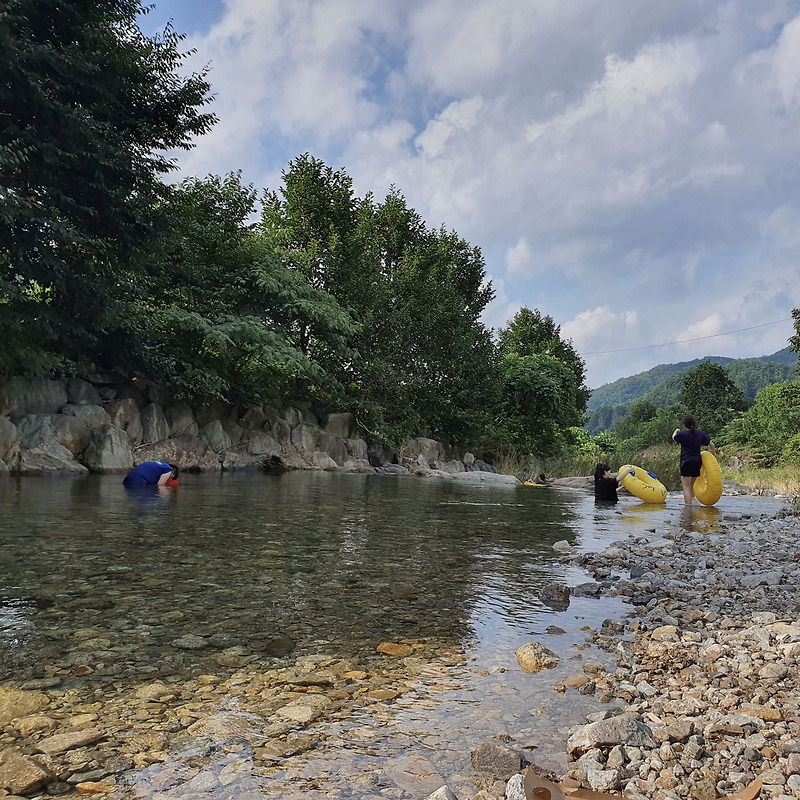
(175,472)
(542,477)
(690,423)
(600,471)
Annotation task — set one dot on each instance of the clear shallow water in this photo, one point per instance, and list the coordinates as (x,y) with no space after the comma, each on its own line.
(311,565)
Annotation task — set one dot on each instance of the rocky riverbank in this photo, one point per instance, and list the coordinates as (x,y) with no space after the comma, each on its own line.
(106,424)
(706,687)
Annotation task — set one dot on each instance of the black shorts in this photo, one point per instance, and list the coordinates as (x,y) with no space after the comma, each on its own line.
(691,469)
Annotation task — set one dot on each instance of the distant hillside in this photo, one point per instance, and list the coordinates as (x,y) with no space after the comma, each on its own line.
(662,385)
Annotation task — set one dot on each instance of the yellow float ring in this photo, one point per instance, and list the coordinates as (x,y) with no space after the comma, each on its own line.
(643,485)
(708,487)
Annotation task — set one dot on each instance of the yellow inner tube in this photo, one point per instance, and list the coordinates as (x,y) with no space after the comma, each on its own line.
(643,485)
(708,487)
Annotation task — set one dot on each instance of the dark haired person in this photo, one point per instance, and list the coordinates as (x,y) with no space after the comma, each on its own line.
(605,487)
(691,440)
(151,473)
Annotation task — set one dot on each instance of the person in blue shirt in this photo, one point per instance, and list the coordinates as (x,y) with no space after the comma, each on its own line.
(691,440)
(151,473)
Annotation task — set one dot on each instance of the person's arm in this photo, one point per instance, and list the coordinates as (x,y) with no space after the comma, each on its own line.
(621,475)
(677,431)
(164,477)
(712,448)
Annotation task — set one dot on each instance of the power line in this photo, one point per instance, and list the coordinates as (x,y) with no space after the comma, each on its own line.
(684,341)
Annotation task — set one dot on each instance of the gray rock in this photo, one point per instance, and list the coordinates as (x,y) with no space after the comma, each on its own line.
(155,427)
(181,420)
(622,730)
(356,448)
(124,414)
(339,425)
(216,437)
(82,392)
(262,445)
(19,396)
(92,415)
(109,451)
(333,446)
(497,760)
(304,437)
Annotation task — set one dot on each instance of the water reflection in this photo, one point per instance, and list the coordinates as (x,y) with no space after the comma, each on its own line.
(700,518)
(101,588)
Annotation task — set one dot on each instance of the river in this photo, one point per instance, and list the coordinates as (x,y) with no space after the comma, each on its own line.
(231,590)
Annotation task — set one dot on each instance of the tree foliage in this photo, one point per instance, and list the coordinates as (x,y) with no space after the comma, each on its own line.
(89,106)
(711,396)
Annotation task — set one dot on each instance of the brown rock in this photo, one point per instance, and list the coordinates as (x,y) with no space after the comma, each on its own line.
(20,774)
(94,787)
(19,703)
(68,741)
(575,681)
(533,657)
(395,650)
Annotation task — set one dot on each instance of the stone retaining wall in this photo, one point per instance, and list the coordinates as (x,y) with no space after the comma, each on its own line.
(107,425)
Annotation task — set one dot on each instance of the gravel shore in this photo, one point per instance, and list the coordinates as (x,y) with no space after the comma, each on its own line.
(707,662)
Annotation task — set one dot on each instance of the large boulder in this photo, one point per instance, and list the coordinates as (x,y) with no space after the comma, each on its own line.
(429,449)
(357,448)
(262,445)
(339,425)
(304,437)
(35,430)
(155,427)
(19,396)
(124,414)
(49,458)
(215,435)
(109,451)
(333,446)
(281,432)
(181,420)
(82,392)
(93,416)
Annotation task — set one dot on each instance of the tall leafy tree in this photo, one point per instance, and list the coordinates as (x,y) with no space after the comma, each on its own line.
(89,107)
(794,341)
(712,397)
(531,333)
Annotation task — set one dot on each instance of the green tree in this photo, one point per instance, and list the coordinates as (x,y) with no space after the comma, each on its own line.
(530,333)
(89,108)
(711,396)
(770,427)
(537,403)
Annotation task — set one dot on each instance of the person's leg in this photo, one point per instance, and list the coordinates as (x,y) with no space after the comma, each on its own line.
(688,489)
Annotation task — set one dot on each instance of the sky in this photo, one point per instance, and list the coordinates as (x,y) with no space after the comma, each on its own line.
(628,168)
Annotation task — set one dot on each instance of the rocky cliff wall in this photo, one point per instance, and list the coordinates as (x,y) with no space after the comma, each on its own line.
(104,425)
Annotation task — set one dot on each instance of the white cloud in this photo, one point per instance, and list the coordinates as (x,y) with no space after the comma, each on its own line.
(630,159)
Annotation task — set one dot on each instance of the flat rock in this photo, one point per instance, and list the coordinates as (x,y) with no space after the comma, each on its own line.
(69,741)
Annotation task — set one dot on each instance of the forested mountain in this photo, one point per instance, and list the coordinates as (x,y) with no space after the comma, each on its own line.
(662,384)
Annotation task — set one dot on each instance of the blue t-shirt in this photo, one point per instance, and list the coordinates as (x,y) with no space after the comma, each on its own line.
(690,445)
(146,474)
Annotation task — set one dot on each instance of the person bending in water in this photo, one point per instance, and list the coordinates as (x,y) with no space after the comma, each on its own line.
(605,487)
(691,440)
(151,473)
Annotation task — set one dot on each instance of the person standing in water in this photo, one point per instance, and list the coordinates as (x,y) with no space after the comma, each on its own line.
(691,440)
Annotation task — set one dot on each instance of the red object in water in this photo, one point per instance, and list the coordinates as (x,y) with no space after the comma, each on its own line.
(172,482)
